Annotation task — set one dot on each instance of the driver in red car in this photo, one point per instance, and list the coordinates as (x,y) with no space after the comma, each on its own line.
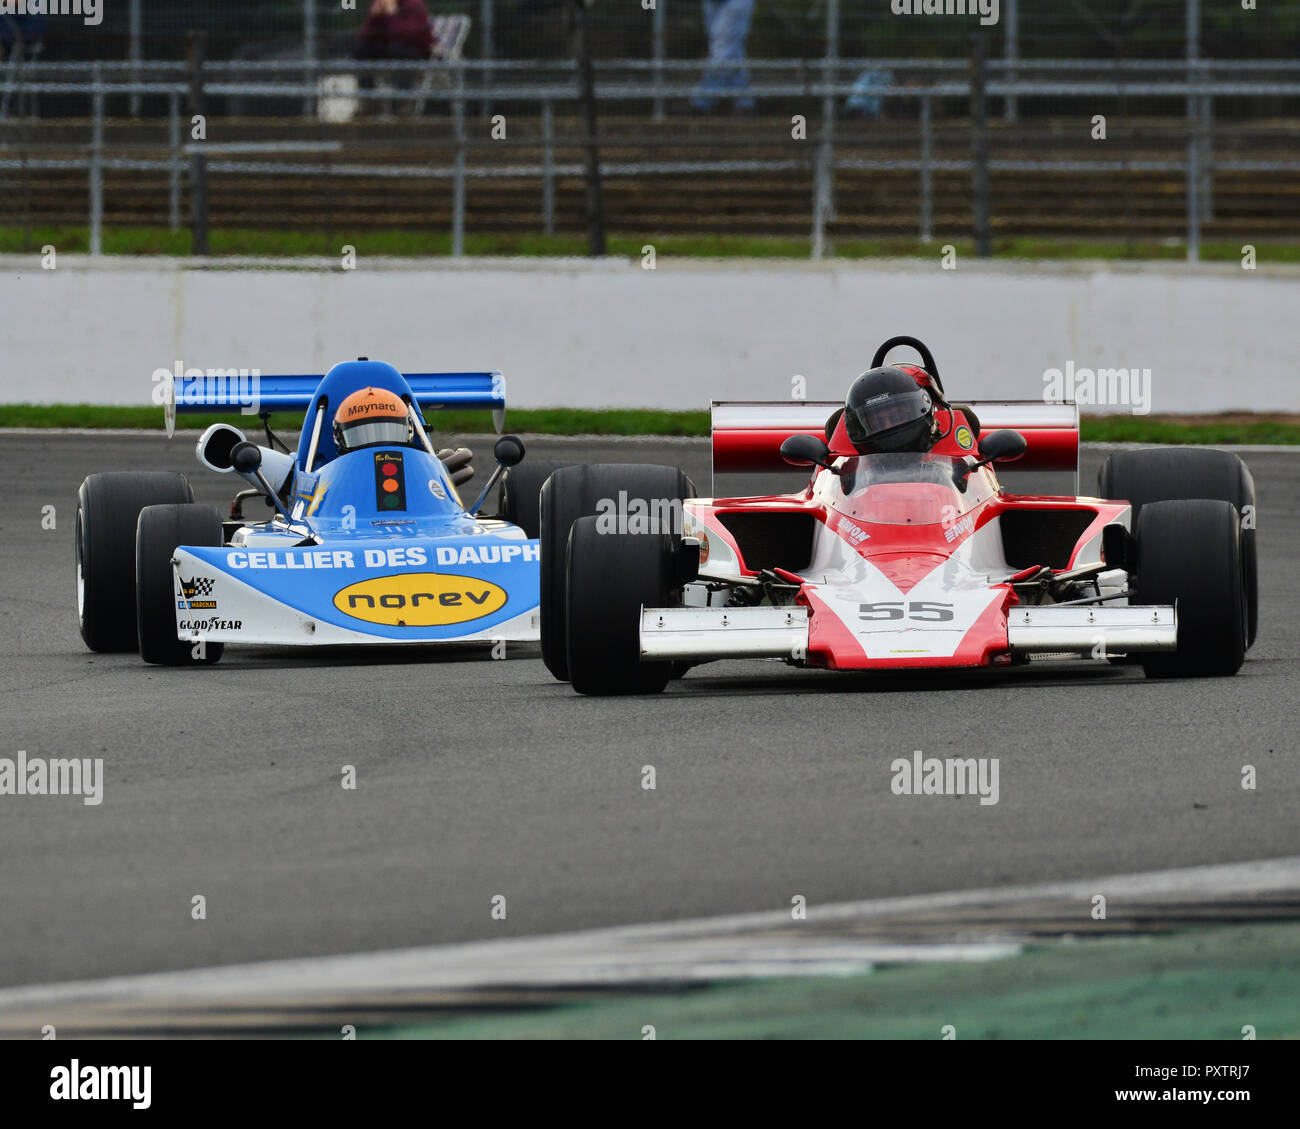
(890,409)
(896,409)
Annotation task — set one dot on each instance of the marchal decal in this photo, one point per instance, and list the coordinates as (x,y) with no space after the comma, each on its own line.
(191,590)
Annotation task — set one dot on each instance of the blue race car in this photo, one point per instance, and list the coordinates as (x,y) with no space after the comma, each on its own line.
(368,543)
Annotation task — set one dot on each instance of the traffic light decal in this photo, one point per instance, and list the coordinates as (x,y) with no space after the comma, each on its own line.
(390,482)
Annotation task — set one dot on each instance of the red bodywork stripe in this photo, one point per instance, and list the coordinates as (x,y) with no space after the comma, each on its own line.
(833,646)
(759,449)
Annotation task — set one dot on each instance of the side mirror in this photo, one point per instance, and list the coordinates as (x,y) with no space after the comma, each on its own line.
(806,450)
(1118,548)
(214,447)
(246,461)
(1002,446)
(508,451)
(245,458)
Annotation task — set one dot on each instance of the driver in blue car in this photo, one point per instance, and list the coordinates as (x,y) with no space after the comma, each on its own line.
(375,417)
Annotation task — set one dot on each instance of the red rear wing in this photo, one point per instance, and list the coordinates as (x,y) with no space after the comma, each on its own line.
(747,435)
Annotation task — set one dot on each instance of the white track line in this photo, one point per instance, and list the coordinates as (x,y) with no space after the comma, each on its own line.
(725,947)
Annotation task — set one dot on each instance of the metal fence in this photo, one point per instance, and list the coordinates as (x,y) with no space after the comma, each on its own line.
(918,94)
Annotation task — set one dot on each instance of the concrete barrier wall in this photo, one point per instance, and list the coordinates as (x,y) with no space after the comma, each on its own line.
(610,334)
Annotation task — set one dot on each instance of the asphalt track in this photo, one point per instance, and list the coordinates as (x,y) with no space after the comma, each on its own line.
(479,778)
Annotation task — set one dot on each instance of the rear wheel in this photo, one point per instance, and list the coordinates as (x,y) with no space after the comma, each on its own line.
(611,576)
(573,492)
(1189,555)
(161,529)
(1176,473)
(520,494)
(108,507)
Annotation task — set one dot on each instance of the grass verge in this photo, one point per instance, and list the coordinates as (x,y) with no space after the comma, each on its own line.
(1207,984)
(1230,428)
(227,241)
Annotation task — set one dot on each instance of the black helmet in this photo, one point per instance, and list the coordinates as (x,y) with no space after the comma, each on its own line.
(886,410)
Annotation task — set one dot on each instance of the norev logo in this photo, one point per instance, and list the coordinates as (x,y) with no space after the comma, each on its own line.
(420,599)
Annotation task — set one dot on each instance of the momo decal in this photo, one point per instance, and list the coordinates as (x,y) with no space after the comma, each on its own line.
(959,528)
(851,531)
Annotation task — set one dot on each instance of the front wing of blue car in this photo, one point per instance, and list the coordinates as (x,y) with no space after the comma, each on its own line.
(426,590)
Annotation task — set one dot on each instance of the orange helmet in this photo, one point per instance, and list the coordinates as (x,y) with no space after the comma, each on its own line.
(372,417)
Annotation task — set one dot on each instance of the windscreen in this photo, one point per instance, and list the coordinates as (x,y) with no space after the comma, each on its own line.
(910,488)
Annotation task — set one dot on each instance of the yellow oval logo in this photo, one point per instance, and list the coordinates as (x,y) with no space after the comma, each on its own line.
(420,599)
(965,440)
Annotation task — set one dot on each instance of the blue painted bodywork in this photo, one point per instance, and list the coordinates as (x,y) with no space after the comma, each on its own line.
(379,514)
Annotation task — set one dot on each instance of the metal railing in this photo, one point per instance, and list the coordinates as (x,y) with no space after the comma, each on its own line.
(821,84)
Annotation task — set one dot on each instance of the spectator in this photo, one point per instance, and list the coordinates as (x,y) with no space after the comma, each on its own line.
(863,99)
(727,24)
(394,30)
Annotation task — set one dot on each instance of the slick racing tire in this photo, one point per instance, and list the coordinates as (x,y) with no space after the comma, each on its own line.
(611,576)
(577,491)
(1171,474)
(1189,555)
(160,530)
(108,507)
(520,492)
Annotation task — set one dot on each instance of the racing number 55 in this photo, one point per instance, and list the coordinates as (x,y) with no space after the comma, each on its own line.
(917,609)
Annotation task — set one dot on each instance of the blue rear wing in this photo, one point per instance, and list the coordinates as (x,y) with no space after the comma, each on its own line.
(254,394)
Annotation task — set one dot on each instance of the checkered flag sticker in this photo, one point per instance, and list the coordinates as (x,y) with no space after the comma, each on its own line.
(199,586)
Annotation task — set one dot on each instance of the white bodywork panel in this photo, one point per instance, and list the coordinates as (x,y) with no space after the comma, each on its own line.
(247,615)
(1092,630)
(686,633)
(781,632)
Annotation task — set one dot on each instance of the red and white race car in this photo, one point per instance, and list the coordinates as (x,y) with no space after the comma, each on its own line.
(916,560)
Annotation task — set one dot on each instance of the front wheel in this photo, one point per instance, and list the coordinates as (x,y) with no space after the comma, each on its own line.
(160,530)
(611,576)
(585,490)
(1189,555)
